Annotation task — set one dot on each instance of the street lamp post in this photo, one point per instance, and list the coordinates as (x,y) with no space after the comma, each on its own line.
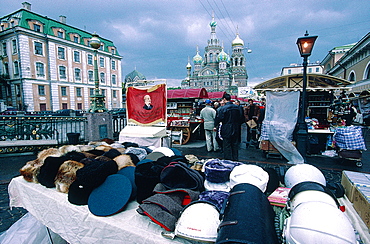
(97,99)
(305,45)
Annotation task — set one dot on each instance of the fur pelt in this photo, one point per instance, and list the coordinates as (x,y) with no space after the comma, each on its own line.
(104,148)
(30,170)
(67,175)
(48,152)
(97,143)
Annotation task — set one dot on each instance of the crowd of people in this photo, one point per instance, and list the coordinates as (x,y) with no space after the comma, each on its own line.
(223,122)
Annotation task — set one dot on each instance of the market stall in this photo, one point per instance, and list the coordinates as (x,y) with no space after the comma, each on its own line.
(183,109)
(322,93)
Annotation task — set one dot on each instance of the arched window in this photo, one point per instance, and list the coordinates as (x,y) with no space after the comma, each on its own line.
(352,77)
(211,57)
(367,72)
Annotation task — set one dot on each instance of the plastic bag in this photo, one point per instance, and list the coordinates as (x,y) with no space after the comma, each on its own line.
(29,230)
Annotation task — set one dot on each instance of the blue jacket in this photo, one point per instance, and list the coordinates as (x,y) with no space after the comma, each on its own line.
(231,117)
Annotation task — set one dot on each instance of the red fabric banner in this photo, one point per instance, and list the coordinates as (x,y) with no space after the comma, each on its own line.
(147,106)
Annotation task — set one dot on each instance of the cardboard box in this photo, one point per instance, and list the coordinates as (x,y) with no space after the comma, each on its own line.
(279,197)
(352,179)
(361,203)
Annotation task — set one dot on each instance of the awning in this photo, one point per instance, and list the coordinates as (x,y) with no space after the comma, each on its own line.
(215,95)
(315,82)
(187,93)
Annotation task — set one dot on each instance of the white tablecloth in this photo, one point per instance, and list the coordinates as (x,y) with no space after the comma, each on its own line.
(76,224)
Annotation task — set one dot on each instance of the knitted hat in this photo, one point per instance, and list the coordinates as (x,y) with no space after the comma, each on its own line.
(49,170)
(95,173)
(110,197)
(179,175)
(139,152)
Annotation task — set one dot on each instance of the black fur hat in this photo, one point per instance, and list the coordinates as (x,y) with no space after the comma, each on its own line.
(78,194)
(112,153)
(95,173)
(75,156)
(49,170)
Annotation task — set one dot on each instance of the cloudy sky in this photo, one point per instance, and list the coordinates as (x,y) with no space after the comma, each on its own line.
(158,36)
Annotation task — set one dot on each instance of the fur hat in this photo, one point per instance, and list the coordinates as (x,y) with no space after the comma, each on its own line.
(49,170)
(95,173)
(48,152)
(96,152)
(30,170)
(75,156)
(68,148)
(104,148)
(135,160)
(130,144)
(112,153)
(66,175)
(103,158)
(139,152)
(123,160)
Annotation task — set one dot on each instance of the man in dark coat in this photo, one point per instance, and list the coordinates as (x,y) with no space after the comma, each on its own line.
(251,112)
(230,119)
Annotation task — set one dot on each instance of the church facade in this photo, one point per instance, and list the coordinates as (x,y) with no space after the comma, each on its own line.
(217,70)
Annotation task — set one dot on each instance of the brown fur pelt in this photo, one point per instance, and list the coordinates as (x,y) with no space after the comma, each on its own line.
(41,156)
(103,158)
(67,175)
(123,160)
(31,169)
(104,148)
(89,155)
(107,140)
(97,143)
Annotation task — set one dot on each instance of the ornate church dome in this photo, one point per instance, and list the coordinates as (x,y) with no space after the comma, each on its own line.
(197,59)
(213,23)
(222,56)
(237,41)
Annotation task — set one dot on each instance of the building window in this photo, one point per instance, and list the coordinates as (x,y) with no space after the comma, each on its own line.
(14,45)
(91,75)
(37,27)
(77,74)
(76,56)
(101,61)
(102,77)
(60,34)
(103,92)
(79,106)
(40,69)
(16,68)
(309,70)
(64,105)
(6,69)
(41,90)
(61,53)
(89,59)
(63,90)
(75,39)
(289,71)
(91,92)
(62,72)
(38,48)
(317,70)
(114,64)
(78,92)
(113,50)
(114,93)
(4,49)
(114,79)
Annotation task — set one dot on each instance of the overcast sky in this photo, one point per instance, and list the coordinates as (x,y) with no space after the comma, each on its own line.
(157,36)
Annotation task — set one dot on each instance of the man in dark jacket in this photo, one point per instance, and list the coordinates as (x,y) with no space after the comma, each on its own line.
(230,118)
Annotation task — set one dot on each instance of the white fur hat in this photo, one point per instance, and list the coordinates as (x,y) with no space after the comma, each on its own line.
(248,173)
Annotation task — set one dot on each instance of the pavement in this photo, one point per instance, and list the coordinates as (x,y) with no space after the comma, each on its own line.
(331,167)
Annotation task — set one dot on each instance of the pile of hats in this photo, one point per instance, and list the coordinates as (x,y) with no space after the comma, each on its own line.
(99,175)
